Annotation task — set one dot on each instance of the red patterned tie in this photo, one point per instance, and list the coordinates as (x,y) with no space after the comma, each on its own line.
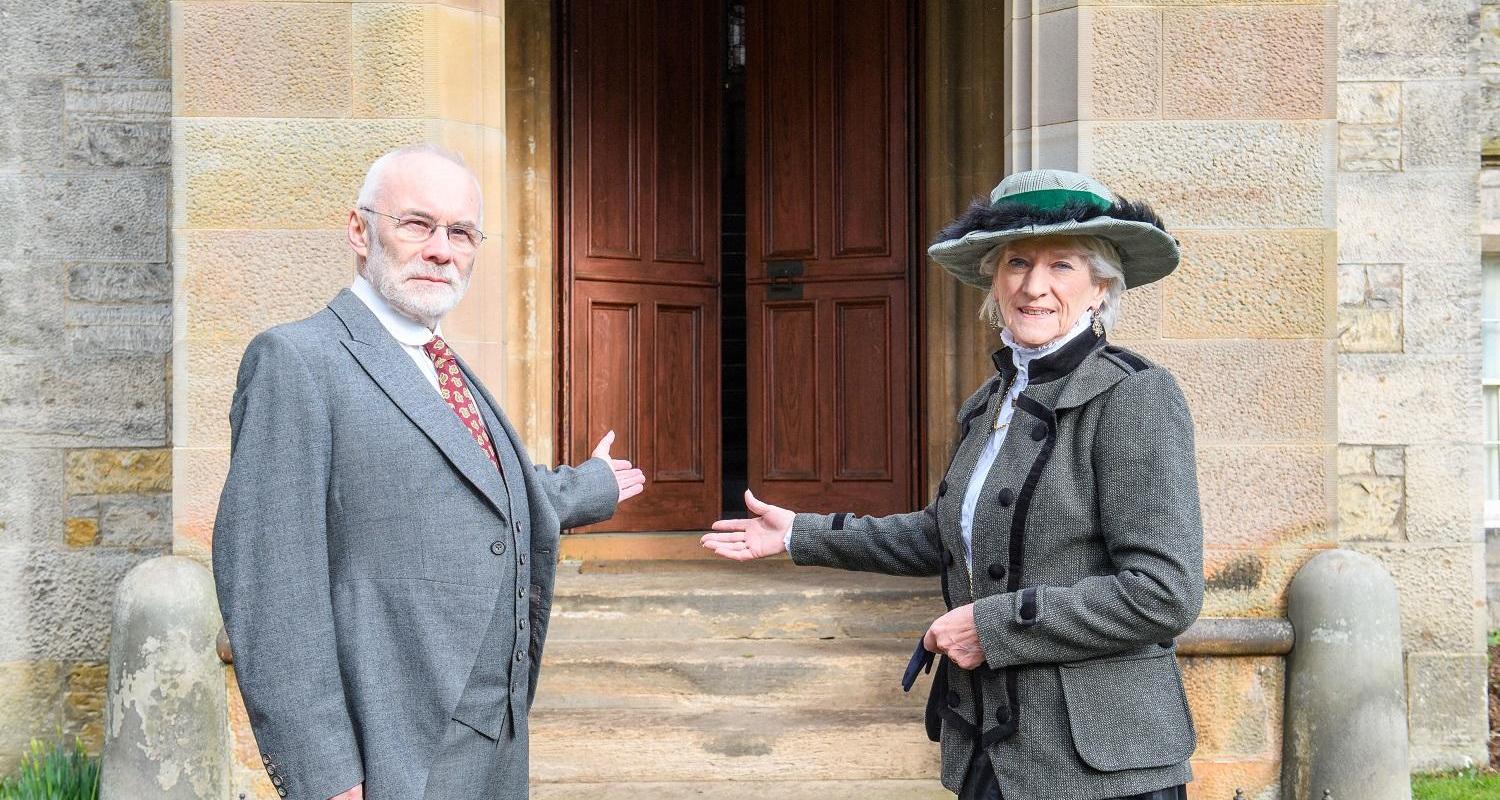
(456,393)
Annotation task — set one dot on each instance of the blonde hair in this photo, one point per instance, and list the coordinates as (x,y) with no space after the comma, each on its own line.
(1104,266)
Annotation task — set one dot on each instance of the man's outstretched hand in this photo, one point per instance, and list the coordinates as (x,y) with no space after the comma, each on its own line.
(630,480)
(357,793)
(760,536)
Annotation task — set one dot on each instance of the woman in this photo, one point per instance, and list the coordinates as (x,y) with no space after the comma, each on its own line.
(1066,531)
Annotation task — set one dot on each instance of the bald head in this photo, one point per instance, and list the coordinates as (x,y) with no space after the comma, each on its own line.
(423,159)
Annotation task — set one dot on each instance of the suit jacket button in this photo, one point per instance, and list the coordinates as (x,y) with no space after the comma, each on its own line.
(276,780)
(1039,432)
(281,791)
(952,699)
(942,487)
(498,548)
(997,571)
(1002,712)
(1006,497)
(265,758)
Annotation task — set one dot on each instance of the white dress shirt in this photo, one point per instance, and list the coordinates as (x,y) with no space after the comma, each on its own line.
(410,333)
(1021,357)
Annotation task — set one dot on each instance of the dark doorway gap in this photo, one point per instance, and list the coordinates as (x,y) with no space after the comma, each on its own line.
(733,378)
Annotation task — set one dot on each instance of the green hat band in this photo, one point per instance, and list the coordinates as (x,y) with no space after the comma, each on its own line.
(1053,199)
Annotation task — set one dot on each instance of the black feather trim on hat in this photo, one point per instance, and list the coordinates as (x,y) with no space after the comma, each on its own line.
(1005,216)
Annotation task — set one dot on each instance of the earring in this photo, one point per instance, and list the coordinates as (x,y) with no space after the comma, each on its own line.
(1097,325)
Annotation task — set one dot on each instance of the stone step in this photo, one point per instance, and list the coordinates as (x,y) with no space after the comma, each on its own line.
(769,599)
(611,746)
(745,790)
(729,673)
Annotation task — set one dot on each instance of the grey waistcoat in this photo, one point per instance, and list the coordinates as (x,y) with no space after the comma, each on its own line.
(1088,561)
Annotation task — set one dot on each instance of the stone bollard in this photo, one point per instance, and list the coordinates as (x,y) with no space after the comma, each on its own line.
(1345,686)
(165,720)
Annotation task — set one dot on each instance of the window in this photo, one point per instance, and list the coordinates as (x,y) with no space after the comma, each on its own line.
(1490,305)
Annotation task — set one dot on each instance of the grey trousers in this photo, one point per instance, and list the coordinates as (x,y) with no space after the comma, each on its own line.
(472,766)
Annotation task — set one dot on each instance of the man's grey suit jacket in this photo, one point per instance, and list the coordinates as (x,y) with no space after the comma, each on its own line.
(358,554)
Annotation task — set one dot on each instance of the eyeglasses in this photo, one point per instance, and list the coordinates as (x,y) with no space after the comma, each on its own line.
(420,229)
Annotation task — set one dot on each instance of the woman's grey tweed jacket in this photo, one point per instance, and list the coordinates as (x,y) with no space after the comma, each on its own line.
(1088,560)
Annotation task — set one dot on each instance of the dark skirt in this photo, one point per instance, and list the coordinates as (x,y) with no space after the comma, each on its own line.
(980,784)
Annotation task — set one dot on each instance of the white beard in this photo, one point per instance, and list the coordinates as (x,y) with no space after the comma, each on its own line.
(425,303)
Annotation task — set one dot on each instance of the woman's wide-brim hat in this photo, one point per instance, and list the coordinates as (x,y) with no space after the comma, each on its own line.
(1051,202)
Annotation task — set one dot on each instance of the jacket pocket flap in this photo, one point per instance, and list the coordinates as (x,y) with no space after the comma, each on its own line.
(1128,711)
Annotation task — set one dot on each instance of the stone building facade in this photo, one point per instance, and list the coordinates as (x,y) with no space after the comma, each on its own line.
(1320,162)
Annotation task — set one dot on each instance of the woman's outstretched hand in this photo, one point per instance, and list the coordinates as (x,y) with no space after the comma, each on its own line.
(760,536)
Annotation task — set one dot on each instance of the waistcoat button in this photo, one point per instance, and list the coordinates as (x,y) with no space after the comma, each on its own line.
(1006,497)
(498,548)
(997,571)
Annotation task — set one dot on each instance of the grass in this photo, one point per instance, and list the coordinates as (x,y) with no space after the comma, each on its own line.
(1465,785)
(53,773)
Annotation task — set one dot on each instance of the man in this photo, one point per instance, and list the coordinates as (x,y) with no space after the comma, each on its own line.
(384,550)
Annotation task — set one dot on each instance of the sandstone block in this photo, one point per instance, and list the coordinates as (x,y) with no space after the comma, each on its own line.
(136,522)
(278,174)
(1056,57)
(119,340)
(1369,102)
(1121,63)
(1442,591)
(30,693)
(31,507)
(119,471)
(1221,174)
(69,593)
(81,402)
(1259,779)
(458,65)
(1449,725)
(96,282)
(1269,496)
(1381,41)
(207,386)
(231,59)
(1370,330)
(389,64)
(122,98)
(1440,125)
(92,215)
(239,283)
(198,478)
(81,532)
(1251,284)
(1241,392)
(1390,461)
(1140,313)
(1236,705)
(1369,148)
(1445,493)
(1402,218)
(124,38)
(31,303)
(83,703)
(1408,399)
(1356,460)
(1269,62)
(31,121)
(1370,507)
(1250,583)
(119,143)
(1441,308)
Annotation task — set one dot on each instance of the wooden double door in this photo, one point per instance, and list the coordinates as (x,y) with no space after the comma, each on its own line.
(827,375)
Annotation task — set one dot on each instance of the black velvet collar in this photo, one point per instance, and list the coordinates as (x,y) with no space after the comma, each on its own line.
(1054,365)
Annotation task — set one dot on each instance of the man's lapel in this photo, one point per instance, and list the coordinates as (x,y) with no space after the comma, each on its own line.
(391,368)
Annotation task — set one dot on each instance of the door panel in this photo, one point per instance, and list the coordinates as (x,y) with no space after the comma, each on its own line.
(642,250)
(649,352)
(830,415)
(828,177)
